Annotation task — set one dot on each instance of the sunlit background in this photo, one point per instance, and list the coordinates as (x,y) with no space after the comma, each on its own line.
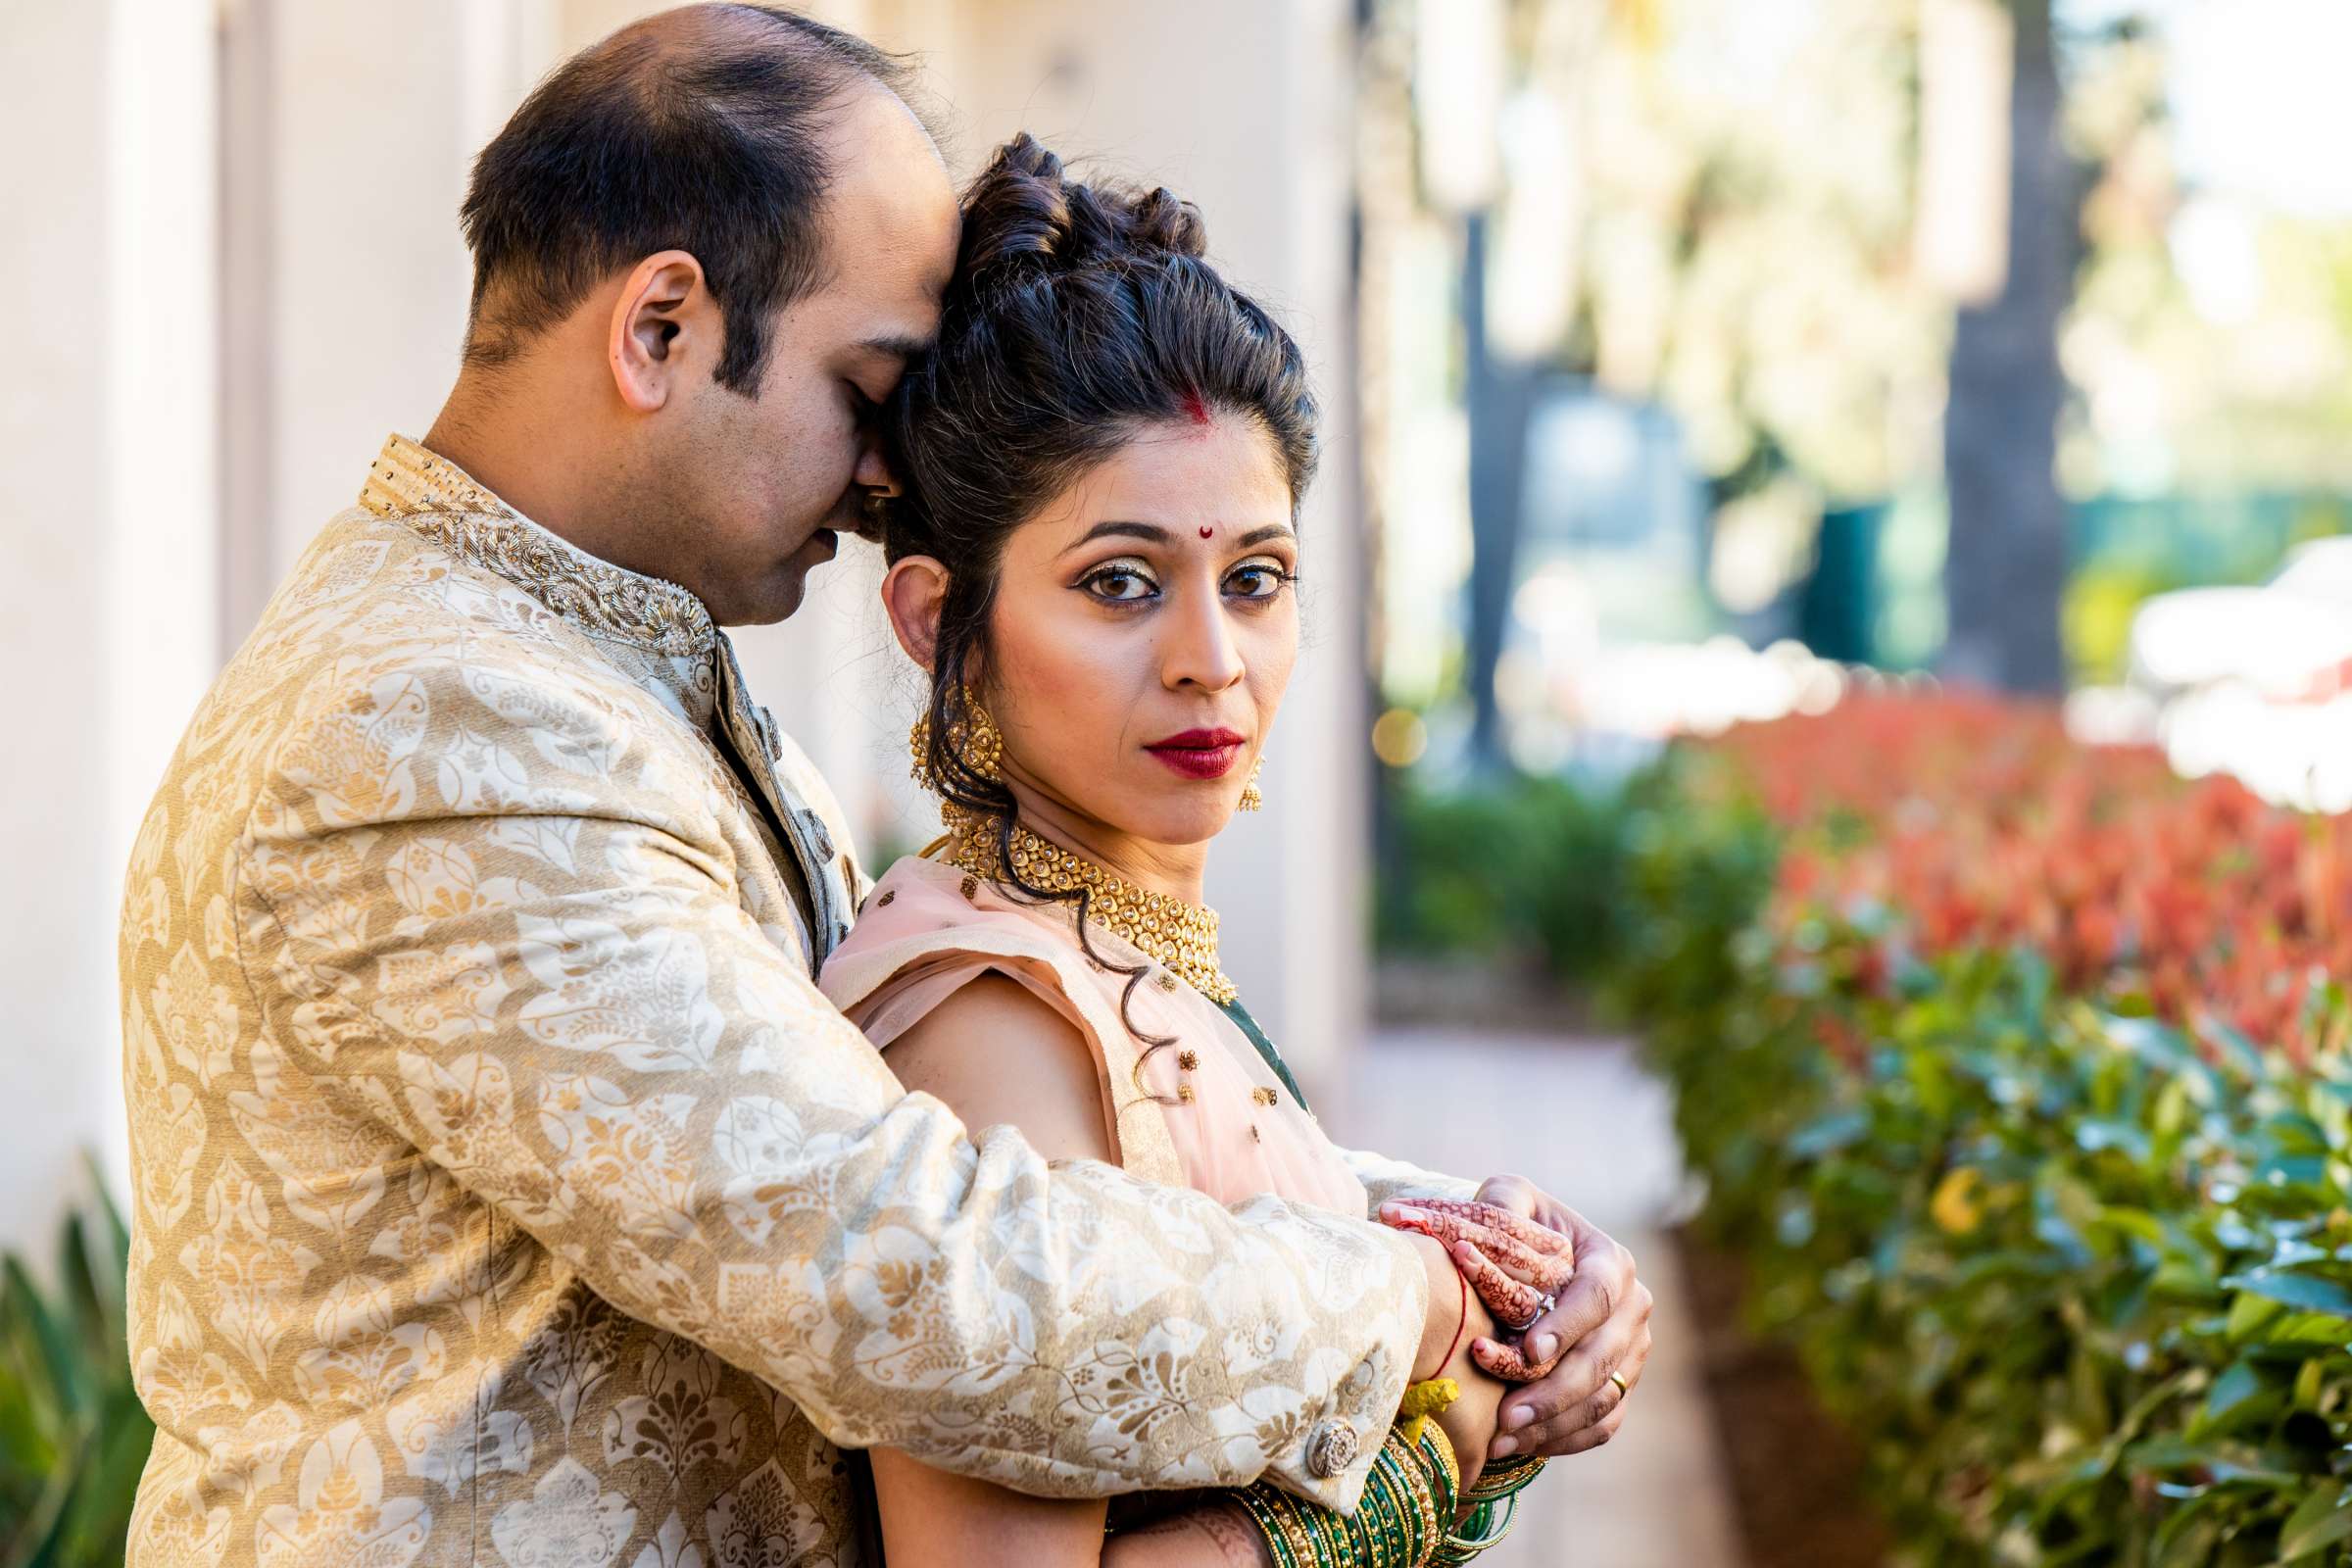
(1799,370)
(1703,315)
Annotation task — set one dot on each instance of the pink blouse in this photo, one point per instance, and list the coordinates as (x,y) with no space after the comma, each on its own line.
(930,929)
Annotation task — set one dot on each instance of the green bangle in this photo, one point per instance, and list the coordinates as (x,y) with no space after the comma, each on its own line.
(1504,1479)
(1321,1530)
(1403,1516)
(1263,1505)
(1376,1515)
(1393,1533)
(1445,1478)
(1489,1519)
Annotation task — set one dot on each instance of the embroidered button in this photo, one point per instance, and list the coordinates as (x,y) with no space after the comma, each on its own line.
(971,888)
(1330,1449)
(1164,980)
(1265,1097)
(888,894)
(1188,1060)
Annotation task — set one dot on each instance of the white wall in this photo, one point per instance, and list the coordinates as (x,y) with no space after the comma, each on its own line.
(107,513)
(369,131)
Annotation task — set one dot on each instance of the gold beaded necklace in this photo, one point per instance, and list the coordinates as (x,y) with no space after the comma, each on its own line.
(1181,937)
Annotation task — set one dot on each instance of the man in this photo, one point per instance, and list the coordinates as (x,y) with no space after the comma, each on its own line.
(504,1191)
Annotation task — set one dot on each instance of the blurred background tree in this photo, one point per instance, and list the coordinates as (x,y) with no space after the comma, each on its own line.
(2005,567)
(1916,332)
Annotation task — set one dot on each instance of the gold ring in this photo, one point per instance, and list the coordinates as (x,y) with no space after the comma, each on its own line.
(1623,1387)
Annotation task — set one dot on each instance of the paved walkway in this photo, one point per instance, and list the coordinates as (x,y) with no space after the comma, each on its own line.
(1583,1120)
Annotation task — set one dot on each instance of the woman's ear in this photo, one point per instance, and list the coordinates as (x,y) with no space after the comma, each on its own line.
(660,317)
(913,592)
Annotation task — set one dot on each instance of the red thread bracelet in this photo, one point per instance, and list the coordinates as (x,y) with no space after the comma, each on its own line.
(1459,1324)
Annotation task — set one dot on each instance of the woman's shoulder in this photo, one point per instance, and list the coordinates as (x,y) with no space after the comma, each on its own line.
(1039,1071)
(931,935)
(922,907)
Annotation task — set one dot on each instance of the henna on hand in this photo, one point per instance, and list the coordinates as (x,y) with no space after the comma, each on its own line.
(1221,1527)
(1515,1305)
(1508,1362)
(1513,1263)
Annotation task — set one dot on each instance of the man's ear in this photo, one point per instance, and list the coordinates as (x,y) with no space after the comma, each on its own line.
(913,591)
(663,320)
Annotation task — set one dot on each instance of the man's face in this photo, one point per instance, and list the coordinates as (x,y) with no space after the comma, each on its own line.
(763,485)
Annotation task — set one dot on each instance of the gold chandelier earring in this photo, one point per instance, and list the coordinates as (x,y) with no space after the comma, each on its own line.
(975,742)
(1252,798)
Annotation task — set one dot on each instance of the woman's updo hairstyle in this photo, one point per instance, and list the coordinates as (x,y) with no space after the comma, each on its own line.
(1078,316)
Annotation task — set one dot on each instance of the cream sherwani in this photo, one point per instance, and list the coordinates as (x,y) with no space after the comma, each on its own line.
(506,1193)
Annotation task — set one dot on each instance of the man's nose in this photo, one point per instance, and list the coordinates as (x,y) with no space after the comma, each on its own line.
(873,469)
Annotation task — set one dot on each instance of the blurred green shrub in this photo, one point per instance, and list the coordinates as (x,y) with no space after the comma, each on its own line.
(1520,872)
(74,1435)
(2080,1283)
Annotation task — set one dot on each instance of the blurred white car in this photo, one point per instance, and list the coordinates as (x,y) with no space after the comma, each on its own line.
(2290,639)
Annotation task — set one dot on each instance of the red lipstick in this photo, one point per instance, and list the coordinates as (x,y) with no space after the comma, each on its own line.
(1201,753)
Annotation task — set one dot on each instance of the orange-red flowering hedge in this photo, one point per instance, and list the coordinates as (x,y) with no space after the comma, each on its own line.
(1979,825)
(2017,1072)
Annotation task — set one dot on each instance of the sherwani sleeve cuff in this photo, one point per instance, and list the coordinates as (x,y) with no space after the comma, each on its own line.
(1335,1447)
(1387,1180)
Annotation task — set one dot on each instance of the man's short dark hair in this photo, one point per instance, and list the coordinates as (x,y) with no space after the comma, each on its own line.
(708,143)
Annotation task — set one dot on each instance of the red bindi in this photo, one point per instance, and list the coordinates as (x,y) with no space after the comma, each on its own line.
(1206,532)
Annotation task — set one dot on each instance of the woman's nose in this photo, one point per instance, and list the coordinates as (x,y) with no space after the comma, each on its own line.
(1200,650)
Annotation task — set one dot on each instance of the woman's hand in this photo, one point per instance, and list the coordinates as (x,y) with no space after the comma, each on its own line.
(1517,1267)
(1469,1423)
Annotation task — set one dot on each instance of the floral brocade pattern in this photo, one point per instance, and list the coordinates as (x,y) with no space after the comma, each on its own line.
(506,1193)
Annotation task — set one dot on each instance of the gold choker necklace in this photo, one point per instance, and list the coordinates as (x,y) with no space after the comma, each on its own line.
(1181,937)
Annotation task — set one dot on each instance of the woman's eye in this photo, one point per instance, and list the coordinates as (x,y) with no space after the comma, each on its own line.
(1258,580)
(1120,584)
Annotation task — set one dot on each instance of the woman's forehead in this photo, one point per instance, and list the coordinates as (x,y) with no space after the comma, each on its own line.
(1179,477)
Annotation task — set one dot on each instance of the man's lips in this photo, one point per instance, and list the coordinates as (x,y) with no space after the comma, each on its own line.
(1198,753)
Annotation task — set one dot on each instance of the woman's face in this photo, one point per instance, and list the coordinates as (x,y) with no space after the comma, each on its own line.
(1145,627)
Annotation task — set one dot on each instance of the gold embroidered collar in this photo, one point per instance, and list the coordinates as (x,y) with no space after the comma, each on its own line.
(1181,937)
(442,502)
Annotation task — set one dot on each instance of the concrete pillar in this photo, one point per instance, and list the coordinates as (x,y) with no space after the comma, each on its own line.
(108,522)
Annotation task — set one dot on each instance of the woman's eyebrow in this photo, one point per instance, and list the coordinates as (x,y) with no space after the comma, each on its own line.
(1148,532)
(1154,533)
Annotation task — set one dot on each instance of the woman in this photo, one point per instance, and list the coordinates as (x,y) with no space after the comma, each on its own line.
(1095,562)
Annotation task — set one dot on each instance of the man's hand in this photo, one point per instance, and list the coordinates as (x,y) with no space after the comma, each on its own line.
(1598,1325)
